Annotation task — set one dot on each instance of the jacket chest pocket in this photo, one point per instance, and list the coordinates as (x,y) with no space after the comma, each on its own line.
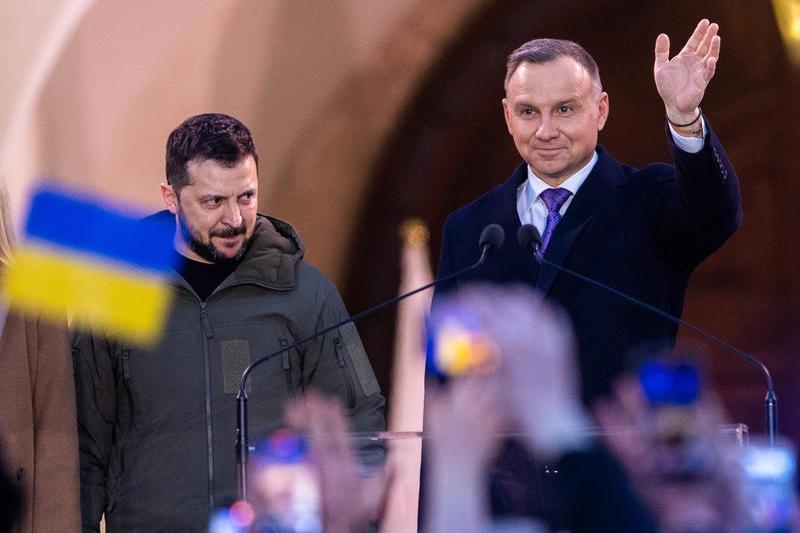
(286,367)
(341,362)
(162,380)
(236,356)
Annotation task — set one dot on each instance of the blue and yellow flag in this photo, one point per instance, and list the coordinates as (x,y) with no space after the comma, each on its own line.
(97,260)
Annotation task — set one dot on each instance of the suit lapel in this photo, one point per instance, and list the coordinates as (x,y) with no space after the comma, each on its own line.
(515,262)
(597,191)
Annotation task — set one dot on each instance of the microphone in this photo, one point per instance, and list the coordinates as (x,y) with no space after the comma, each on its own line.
(490,241)
(492,238)
(530,240)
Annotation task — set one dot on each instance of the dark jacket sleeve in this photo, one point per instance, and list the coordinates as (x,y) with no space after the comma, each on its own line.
(701,207)
(95,390)
(337,365)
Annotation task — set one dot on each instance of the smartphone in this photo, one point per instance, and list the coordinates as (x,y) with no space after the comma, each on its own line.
(668,382)
(769,471)
(672,385)
(284,486)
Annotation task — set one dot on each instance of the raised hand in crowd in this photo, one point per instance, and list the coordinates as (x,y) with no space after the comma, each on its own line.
(677,458)
(538,376)
(465,422)
(349,501)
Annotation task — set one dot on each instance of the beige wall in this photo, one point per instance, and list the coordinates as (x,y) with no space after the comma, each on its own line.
(320,83)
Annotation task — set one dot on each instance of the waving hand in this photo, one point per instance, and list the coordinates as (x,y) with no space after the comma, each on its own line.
(682,80)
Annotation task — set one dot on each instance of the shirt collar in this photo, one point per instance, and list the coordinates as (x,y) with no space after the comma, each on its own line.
(534,185)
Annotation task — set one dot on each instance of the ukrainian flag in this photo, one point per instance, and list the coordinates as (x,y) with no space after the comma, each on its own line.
(99,261)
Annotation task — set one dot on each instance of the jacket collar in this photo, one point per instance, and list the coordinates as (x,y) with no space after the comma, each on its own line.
(271,259)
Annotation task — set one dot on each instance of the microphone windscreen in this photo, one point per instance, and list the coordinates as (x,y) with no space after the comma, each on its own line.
(529,238)
(492,237)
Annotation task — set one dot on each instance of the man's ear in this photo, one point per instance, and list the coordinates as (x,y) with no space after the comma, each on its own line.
(603,109)
(507,114)
(170,198)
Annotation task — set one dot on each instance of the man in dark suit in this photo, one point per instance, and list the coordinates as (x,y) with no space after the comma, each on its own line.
(642,231)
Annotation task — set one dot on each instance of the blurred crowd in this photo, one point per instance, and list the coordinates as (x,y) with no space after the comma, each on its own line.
(658,455)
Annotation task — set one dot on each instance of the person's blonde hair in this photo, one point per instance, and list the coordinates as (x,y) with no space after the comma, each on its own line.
(6,233)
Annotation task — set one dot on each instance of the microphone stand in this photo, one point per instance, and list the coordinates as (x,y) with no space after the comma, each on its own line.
(242,450)
(770,401)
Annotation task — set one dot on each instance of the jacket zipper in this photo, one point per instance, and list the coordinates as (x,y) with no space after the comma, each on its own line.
(207,334)
(287,367)
(340,359)
(126,365)
(126,379)
(126,376)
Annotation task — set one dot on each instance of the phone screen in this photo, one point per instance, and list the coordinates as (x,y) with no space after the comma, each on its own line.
(284,486)
(769,472)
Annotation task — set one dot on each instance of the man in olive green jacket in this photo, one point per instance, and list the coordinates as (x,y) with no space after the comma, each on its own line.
(157,426)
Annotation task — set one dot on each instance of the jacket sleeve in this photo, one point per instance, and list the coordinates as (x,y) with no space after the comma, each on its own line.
(337,365)
(95,390)
(55,495)
(701,207)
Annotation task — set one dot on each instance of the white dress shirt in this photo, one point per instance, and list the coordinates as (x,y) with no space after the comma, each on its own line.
(530,206)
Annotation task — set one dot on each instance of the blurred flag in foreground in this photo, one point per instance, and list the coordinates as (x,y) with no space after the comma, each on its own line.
(98,261)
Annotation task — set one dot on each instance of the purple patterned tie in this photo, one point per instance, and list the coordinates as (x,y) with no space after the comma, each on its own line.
(553,199)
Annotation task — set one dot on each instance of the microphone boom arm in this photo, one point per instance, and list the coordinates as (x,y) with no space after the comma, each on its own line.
(770,401)
(489,242)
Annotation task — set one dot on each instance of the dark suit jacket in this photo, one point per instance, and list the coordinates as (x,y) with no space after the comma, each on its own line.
(641,231)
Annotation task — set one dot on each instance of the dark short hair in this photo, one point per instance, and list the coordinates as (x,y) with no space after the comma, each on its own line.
(214,136)
(546,50)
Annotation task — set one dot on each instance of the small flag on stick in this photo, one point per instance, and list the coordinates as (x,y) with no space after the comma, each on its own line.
(100,261)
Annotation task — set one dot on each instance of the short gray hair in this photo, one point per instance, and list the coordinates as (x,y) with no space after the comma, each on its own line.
(546,50)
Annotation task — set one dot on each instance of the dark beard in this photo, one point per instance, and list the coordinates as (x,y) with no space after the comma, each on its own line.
(207,250)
